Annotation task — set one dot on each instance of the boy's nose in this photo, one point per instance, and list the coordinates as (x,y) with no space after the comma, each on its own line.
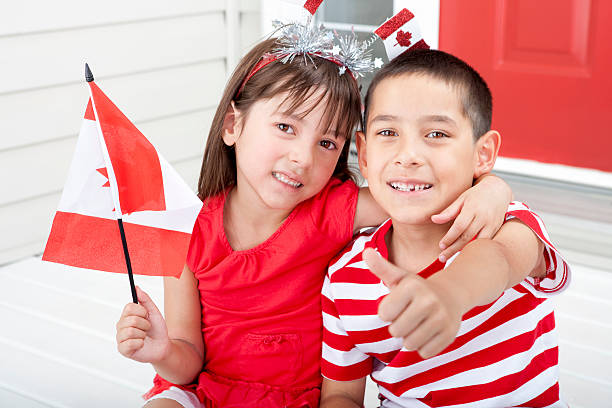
(409,154)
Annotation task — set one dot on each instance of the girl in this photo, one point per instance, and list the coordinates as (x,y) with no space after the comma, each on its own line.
(244,320)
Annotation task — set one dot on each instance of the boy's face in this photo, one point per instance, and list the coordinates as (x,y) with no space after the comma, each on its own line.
(419,153)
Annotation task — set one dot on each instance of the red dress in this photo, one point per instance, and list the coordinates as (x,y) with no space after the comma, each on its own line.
(261,308)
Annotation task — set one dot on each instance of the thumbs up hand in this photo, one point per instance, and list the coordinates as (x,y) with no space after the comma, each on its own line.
(424,312)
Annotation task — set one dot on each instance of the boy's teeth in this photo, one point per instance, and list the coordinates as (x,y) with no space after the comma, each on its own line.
(282,178)
(410,187)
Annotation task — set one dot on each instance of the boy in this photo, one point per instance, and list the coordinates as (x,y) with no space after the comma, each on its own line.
(475,333)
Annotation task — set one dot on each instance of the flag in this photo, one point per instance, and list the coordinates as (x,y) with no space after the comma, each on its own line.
(312,5)
(116,173)
(401,33)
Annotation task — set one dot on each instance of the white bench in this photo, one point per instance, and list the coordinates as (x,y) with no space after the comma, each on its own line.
(57,346)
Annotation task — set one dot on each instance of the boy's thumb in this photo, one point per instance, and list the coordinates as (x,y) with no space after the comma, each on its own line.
(385,270)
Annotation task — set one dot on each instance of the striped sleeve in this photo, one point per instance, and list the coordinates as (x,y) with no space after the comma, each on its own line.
(557,270)
(341,359)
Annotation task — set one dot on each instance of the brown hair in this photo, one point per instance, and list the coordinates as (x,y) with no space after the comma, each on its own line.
(475,95)
(300,79)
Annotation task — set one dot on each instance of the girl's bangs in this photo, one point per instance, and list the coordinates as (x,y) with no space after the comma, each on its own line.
(308,87)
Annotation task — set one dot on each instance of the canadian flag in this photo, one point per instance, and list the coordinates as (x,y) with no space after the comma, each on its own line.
(401,33)
(116,173)
(312,5)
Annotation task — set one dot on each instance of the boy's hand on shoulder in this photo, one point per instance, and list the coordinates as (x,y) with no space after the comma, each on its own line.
(426,314)
(141,331)
(478,213)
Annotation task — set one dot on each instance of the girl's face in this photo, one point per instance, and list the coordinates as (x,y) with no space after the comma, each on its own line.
(282,159)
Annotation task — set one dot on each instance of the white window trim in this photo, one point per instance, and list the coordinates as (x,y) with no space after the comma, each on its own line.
(556,172)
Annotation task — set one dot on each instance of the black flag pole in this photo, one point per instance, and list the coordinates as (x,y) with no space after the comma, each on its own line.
(127,261)
(90,78)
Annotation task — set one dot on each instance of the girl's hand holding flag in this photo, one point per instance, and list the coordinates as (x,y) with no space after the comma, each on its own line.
(142,334)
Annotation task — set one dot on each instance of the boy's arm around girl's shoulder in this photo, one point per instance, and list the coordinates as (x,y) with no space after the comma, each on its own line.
(174,345)
(477,212)
(487,267)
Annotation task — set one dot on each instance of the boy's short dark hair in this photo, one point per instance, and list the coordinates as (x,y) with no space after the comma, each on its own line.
(475,95)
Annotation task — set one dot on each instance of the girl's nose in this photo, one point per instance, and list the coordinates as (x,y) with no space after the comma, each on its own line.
(302,155)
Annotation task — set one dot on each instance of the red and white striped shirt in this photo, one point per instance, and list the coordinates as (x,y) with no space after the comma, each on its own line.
(505,354)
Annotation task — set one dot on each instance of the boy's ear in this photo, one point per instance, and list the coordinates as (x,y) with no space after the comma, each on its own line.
(360,143)
(486,151)
(231,129)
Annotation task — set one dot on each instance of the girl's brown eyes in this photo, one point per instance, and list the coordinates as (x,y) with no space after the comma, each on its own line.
(328,144)
(283,127)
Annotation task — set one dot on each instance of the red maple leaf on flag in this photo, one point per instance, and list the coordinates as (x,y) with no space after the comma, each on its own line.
(104,172)
(403,38)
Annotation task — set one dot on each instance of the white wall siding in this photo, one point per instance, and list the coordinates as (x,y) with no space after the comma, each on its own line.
(164,64)
(32,16)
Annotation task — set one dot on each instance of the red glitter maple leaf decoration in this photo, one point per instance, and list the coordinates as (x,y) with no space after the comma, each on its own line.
(403,38)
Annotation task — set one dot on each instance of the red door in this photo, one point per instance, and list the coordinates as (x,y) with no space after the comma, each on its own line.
(549,66)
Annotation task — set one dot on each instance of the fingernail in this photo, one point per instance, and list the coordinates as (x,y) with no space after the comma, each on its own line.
(442,245)
(442,258)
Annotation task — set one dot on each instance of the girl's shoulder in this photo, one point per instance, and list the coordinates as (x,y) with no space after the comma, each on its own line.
(207,242)
(332,210)
(211,214)
(337,188)
(214,203)
(212,209)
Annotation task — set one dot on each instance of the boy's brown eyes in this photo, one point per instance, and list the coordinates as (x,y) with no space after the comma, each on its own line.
(387,132)
(430,135)
(436,135)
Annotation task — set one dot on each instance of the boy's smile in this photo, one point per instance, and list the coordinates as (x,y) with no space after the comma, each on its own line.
(419,153)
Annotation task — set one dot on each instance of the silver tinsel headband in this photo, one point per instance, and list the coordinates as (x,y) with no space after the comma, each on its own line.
(307,40)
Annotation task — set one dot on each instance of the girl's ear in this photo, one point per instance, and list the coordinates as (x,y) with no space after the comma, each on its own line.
(360,143)
(486,151)
(231,122)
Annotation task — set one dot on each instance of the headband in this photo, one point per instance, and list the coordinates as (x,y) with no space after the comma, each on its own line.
(297,40)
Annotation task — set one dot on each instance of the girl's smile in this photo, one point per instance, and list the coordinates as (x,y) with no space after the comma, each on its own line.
(283,178)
